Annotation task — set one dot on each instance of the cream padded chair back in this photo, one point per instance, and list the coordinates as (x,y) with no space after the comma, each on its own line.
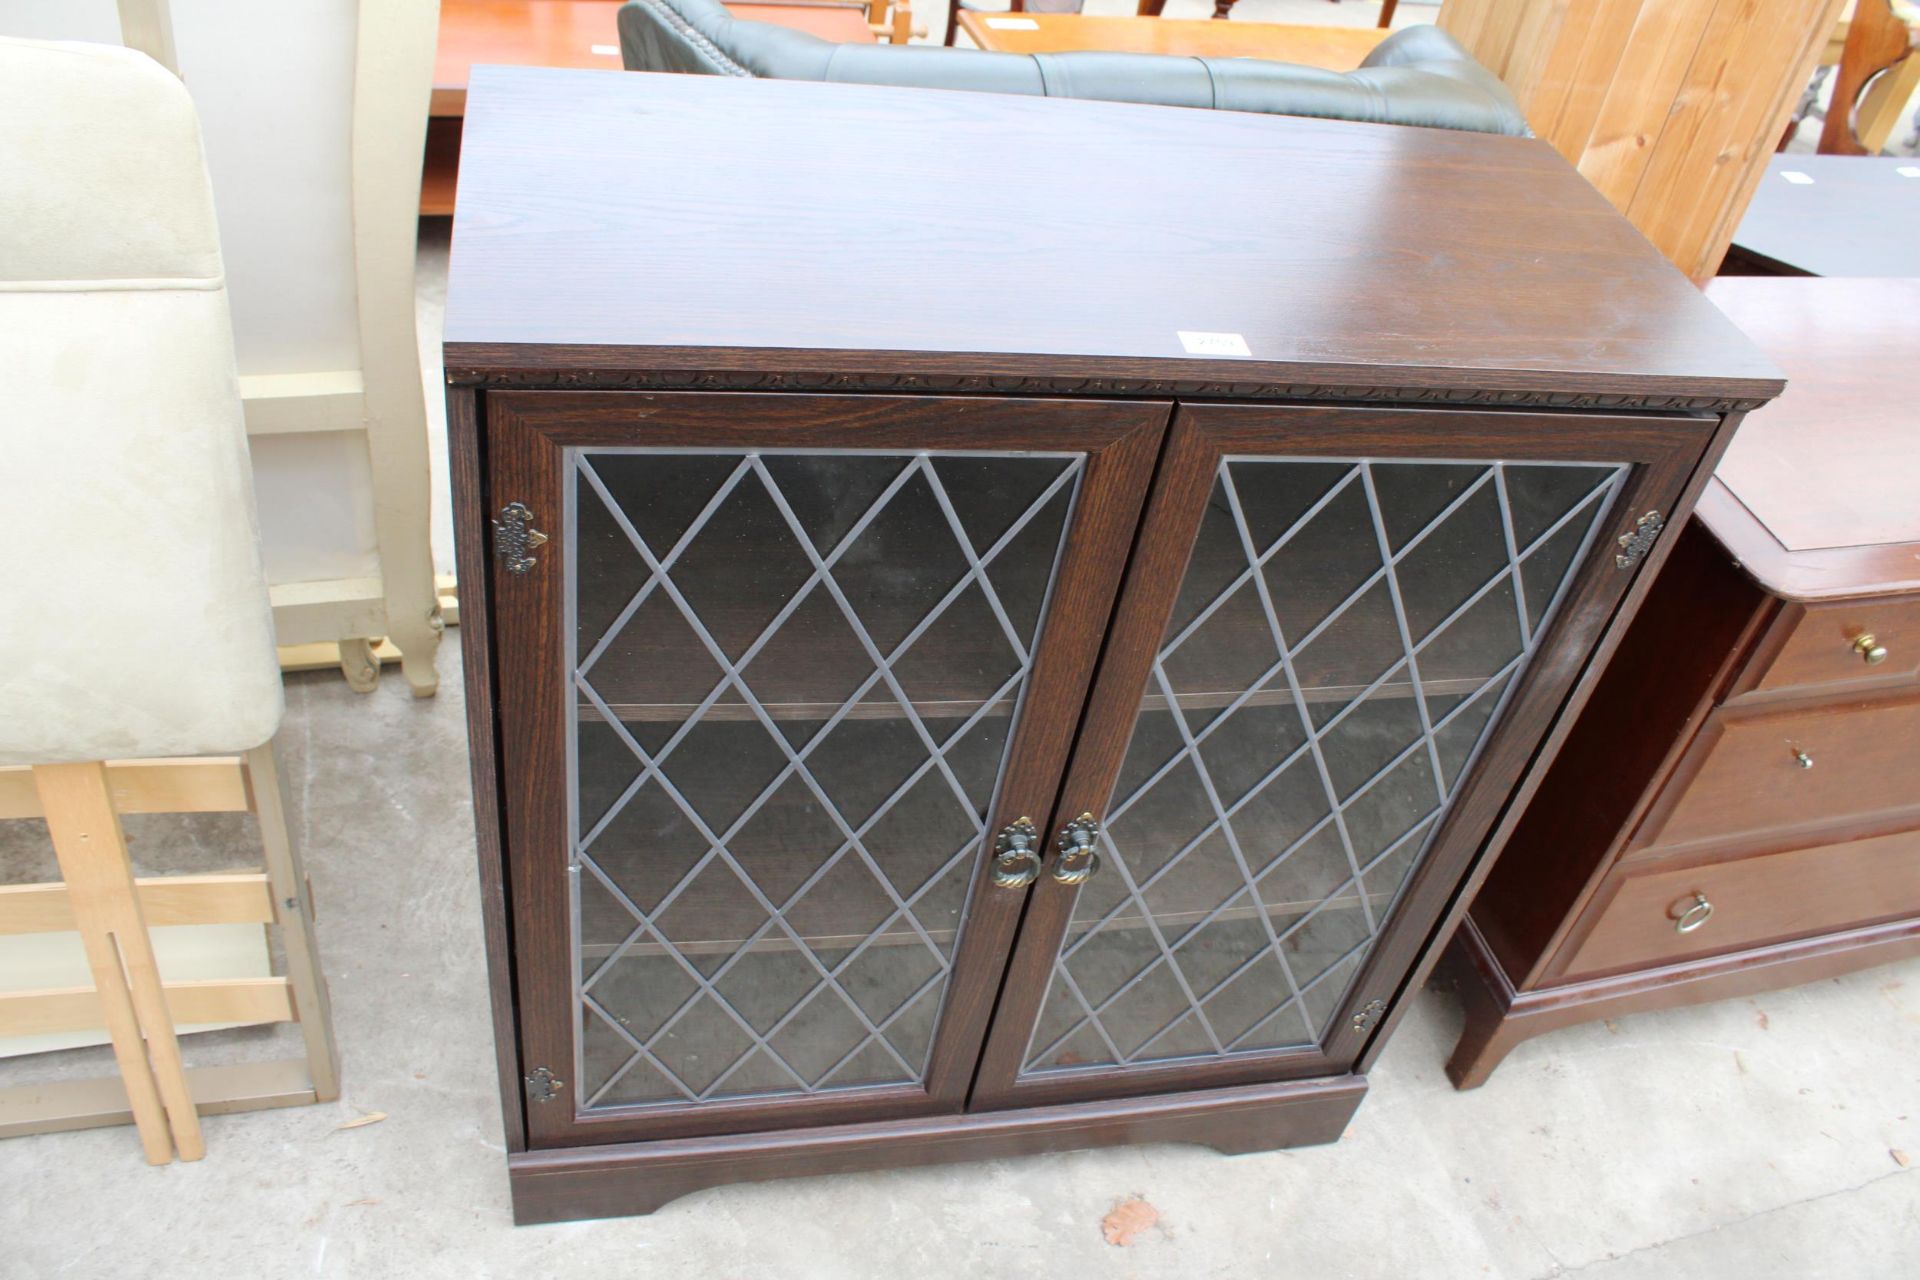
(133,612)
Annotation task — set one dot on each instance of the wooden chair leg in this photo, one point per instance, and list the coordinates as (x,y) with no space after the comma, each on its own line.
(293,905)
(359,665)
(93,861)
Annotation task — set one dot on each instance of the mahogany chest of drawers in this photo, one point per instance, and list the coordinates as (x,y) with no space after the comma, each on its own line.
(1738,806)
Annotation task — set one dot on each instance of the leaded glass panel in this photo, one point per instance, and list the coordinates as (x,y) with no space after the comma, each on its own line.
(1346,634)
(794,680)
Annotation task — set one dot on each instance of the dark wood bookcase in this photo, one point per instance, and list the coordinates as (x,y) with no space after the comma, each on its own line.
(921,710)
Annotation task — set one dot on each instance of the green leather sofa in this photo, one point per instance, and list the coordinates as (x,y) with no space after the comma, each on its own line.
(1418,76)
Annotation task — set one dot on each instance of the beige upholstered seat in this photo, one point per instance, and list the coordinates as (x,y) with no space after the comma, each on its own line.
(133,613)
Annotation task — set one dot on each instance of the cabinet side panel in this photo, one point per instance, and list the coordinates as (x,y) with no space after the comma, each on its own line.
(1649,700)
(470,524)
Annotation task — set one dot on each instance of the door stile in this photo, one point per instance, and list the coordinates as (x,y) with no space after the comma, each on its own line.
(526,468)
(1095,557)
(1164,545)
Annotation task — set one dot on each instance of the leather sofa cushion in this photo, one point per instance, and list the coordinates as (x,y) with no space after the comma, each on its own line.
(1419,76)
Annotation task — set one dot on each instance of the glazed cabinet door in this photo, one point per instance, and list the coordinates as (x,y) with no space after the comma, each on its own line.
(771,672)
(1343,634)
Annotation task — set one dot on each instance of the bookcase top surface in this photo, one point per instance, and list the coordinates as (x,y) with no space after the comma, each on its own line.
(620,221)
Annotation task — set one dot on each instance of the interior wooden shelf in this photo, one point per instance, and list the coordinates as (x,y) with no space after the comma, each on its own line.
(674,712)
(655,671)
(1170,922)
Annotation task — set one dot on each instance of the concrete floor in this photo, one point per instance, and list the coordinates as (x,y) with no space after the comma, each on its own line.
(1755,1139)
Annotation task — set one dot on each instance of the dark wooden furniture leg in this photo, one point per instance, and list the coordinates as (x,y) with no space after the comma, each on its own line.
(1387,8)
(1489,1035)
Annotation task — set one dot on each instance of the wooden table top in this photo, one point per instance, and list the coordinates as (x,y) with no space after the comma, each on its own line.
(583,34)
(1836,216)
(1334,48)
(762,224)
(1819,495)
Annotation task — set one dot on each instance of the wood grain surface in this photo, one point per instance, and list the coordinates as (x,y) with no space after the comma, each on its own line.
(1827,476)
(1752,777)
(1821,649)
(1670,108)
(639,222)
(1651,701)
(1772,898)
(1499,1016)
(600,1182)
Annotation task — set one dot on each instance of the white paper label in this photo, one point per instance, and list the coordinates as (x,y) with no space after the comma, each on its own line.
(1213,344)
(1797,178)
(606,50)
(1909,170)
(1013,24)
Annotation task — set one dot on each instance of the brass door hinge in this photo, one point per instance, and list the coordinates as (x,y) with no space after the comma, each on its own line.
(514,537)
(1369,1015)
(1637,541)
(543,1085)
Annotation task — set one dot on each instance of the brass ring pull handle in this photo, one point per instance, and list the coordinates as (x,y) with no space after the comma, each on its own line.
(1015,863)
(1871,651)
(1078,858)
(1694,916)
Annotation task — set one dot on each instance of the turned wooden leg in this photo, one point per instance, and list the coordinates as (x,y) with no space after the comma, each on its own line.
(1151,8)
(92,851)
(1386,12)
(1220,7)
(419,642)
(359,666)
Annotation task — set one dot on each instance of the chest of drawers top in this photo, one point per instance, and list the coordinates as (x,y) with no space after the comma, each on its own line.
(1818,497)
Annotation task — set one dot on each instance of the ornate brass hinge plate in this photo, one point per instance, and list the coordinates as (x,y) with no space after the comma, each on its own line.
(543,1085)
(1635,542)
(514,537)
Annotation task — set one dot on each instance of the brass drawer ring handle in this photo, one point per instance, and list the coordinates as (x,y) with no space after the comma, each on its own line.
(1694,916)
(1015,862)
(1078,858)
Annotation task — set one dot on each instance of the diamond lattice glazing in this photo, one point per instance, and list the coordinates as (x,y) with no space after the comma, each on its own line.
(1345,636)
(796,679)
